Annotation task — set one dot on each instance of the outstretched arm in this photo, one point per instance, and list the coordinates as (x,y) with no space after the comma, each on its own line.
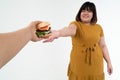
(11,43)
(106,55)
(64,32)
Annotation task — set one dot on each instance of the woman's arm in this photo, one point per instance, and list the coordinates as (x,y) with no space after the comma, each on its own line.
(106,54)
(11,43)
(64,32)
(67,31)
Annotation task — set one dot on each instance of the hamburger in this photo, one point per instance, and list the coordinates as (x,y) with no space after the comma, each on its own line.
(43,30)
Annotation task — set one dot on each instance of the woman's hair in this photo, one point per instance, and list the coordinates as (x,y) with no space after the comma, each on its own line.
(89,6)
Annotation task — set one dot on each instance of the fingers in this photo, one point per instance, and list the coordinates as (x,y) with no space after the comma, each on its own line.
(36,22)
(110,70)
(50,39)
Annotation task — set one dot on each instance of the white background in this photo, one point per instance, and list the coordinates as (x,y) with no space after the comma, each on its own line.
(49,61)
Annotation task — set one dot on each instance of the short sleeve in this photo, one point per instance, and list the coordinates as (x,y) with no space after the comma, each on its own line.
(74,22)
(78,30)
(101,31)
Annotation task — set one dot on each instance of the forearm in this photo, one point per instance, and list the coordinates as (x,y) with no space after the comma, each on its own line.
(67,31)
(106,54)
(12,43)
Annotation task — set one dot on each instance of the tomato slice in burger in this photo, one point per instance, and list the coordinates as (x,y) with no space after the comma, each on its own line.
(44,28)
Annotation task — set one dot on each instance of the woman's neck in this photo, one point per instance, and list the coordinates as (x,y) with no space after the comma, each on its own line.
(86,23)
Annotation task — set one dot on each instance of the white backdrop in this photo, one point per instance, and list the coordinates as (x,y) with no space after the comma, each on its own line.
(49,61)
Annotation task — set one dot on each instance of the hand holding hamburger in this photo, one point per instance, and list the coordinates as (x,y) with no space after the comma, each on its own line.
(43,30)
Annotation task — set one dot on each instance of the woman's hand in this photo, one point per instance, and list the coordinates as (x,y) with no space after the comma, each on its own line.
(54,35)
(109,69)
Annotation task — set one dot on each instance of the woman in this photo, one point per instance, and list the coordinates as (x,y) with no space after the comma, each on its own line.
(88,45)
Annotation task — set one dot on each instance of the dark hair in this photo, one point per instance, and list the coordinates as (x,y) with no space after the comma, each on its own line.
(89,6)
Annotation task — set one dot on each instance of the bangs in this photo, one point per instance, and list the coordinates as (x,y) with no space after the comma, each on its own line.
(88,7)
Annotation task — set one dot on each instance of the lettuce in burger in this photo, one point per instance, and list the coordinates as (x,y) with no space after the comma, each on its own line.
(43,30)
